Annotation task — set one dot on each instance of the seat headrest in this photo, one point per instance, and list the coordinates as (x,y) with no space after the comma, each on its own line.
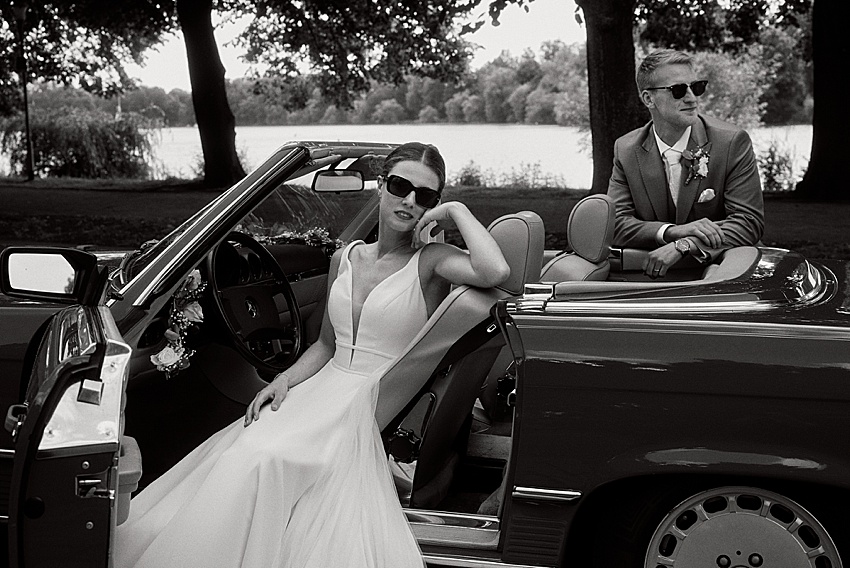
(590,228)
(520,236)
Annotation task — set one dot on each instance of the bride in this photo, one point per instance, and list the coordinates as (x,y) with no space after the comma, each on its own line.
(303,481)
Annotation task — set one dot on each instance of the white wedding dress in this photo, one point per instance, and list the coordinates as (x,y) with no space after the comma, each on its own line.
(306,486)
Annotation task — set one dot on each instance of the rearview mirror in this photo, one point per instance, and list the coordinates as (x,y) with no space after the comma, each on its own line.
(47,273)
(338,180)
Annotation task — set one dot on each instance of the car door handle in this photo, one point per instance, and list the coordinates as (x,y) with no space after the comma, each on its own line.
(93,485)
(15,416)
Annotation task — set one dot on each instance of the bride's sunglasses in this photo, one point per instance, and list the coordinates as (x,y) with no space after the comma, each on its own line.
(680,90)
(400,187)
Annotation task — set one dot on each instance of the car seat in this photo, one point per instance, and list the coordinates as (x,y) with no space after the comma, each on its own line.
(433,385)
(590,230)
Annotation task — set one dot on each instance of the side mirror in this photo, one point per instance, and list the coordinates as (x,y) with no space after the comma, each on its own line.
(66,276)
(338,180)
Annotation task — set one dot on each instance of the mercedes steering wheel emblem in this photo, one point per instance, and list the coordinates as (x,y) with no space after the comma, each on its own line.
(252,308)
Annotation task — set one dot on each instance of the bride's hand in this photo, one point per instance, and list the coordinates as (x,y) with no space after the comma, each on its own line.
(443,215)
(275,392)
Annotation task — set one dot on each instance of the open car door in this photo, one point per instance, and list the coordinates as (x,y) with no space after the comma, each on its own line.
(67,491)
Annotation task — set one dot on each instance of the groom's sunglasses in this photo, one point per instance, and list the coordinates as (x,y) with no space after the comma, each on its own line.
(680,90)
(400,187)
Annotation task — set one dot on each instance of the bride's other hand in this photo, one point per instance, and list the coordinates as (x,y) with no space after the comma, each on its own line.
(482,264)
(275,392)
(444,214)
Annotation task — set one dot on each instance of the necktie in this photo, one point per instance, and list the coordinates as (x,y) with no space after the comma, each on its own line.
(674,172)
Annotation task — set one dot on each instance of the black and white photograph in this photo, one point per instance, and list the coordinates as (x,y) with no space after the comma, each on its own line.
(424,284)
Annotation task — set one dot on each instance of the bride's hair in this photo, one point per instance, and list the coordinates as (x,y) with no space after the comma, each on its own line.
(427,154)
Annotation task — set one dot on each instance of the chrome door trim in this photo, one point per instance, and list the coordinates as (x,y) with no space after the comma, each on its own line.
(538,494)
(445,518)
(457,530)
(469,562)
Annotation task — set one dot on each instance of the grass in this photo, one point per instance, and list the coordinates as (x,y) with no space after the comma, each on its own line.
(125,213)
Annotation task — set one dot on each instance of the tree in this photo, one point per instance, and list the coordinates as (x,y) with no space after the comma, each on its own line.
(216,124)
(614,106)
(830,144)
(347,45)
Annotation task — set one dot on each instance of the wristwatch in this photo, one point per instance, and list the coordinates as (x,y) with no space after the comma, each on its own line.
(683,246)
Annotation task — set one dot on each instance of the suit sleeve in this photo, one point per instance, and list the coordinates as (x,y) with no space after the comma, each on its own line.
(743,200)
(629,231)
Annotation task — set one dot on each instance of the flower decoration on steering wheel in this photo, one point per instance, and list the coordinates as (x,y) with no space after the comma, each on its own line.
(699,162)
(184,316)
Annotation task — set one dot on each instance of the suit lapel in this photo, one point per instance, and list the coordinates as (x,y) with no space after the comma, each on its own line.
(652,173)
(688,192)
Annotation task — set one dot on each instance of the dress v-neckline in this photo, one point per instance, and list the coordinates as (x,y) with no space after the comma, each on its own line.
(355,322)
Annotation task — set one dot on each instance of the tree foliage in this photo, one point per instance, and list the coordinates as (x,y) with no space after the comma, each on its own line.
(81,142)
(347,46)
(78,43)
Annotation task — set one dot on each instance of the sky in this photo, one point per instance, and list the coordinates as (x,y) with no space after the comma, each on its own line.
(545,20)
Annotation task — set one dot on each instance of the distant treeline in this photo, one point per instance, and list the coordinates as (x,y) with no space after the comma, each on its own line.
(767,83)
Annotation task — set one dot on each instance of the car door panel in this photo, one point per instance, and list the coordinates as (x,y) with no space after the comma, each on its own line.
(63,498)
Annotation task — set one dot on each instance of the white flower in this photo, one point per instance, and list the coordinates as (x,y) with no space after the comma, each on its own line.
(193,312)
(702,166)
(167,357)
(193,280)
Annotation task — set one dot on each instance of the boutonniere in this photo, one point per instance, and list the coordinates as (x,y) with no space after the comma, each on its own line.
(185,314)
(699,162)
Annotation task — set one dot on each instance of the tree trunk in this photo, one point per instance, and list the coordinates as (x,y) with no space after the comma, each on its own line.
(824,179)
(216,124)
(614,104)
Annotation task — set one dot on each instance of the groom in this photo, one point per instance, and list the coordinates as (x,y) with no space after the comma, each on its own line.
(685,184)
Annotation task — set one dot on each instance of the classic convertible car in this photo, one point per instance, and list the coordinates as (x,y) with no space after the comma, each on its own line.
(578,415)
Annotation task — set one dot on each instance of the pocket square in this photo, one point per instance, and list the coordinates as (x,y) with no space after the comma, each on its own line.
(706,195)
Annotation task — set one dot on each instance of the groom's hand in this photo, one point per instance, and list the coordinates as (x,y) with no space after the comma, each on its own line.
(706,230)
(660,260)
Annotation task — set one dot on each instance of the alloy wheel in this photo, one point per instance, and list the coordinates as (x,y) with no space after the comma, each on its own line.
(741,527)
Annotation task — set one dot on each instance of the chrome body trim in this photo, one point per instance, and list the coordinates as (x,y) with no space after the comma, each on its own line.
(638,306)
(444,518)
(471,532)
(470,562)
(538,494)
(9,454)
(702,327)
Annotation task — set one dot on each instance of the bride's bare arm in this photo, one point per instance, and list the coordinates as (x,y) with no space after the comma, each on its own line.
(483,265)
(313,359)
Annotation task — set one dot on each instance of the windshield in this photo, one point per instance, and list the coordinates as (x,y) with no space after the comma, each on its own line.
(291,213)
(296,214)
(137,260)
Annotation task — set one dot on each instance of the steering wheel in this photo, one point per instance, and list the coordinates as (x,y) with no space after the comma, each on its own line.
(245,283)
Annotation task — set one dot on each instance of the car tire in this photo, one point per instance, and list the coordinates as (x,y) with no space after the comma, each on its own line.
(725,526)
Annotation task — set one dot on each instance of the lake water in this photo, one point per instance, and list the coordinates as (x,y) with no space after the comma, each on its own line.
(559,153)
(554,153)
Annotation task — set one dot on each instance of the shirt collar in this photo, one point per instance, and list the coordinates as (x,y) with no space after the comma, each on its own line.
(680,145)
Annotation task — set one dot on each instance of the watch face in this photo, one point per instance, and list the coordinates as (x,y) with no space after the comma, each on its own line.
(683,246)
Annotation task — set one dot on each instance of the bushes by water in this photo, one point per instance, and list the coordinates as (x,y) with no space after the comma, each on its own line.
(75,142)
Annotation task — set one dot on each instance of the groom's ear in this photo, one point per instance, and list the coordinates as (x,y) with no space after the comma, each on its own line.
(646,99)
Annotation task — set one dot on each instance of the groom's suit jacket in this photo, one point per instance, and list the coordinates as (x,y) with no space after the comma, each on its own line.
(639,189)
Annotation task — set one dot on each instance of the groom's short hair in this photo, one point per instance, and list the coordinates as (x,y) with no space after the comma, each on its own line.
(659,58)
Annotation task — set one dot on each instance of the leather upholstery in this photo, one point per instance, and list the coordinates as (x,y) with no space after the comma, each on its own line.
(521,238)
(590,230)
